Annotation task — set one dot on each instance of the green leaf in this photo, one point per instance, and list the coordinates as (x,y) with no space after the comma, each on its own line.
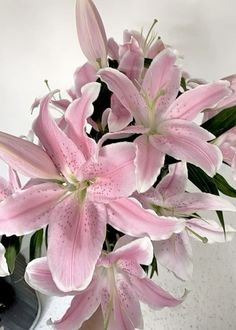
(201,180)
(12,245)
(183,83)
(222,122)
(224,186)
(36,242)
(46,237)
(206,184)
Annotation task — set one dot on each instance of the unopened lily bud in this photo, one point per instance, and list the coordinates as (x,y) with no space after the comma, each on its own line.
(91,33)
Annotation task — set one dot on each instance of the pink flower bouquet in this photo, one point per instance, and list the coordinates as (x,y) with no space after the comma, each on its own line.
(107,180)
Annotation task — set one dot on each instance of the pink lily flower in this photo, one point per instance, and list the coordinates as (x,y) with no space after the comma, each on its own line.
(7,189)
(91,33)
(151,46)
(82,189)
(112,297)
(227,102)
(167,121)
(169,198)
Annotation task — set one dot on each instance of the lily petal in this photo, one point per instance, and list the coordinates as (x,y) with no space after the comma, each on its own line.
(183,145)
(28,209)
(188,203)
(114,173)
(91,32)
(127,312)
(128,216)
(211,230)
(14,179)
(153,295)
(3,263)
(83,75)
(179,127)
(113,49)
(140,251)
(126,93)
(149,162)
(163,89)
(39,277)
(76,235)
(190,103)
(131,60)
(176,255)
(82,307)
(5,189)
(26,157)
(66,156)
(119,117)
(76,117)
(155,48)
(126,132)
(174,182)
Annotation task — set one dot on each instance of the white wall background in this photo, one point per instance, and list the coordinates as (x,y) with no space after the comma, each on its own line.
(38,41)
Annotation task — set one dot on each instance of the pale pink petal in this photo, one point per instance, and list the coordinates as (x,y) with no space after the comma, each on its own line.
(227,143)
(139,251)
(114,172)
(229,101)
(14,180)
(39,277)
(29,209)
(153,295)
(155,48)
(126,132)
(181,143)
(5,188)
(128,35)
(161,81)
(210,229)
(105,116)
(190,103)
(91,32)
(3,263)
(148,162)
(126,92)
(61,104)
(113,49)
(119,117)
(71,93)
(129,257)
(76,235)
(26,157)
(131,60)
(176,255)
(188,203)
(83,75)
(126,307)
(128,216)
(149,198)
(174,182)
(179,127)
(76,117)
(82,307)
(131,268)
(61,149)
